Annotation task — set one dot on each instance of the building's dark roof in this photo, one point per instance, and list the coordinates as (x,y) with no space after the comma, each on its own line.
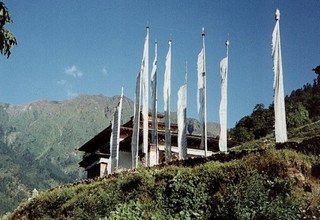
(91,158)
(99,144)
(97,140)
(193,141)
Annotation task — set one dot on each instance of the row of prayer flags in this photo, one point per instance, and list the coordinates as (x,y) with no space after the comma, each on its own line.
(142,79)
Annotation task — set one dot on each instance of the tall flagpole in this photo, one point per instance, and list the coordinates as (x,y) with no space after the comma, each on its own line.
(136,123)
(154,96)
(145,106)
(186,73)
(166,96)
(182,119)
(119,126)
(279,104)
(154,134)
(204,119)
(223,103)
(114,138)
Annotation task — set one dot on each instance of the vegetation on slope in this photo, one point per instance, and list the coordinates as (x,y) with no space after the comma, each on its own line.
(39,142)
(302,107)
(45,135)
(268,184)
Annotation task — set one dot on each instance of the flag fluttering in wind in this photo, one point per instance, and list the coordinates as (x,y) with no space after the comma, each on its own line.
(223,103)
(136,123)
(200,80)
(201,94)
(154,138)
(114,138)
(182,121)
(166,97)
(279,105)
(154,151)
(145,89)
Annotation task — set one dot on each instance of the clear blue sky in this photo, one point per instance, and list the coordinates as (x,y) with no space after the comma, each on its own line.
(72,47)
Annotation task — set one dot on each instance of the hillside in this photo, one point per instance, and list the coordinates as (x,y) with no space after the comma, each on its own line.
(267,181)
(277,182)
(302,107)
(39,142)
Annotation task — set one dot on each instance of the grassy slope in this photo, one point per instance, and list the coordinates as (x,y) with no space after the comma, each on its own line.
(272,184)
(281,184)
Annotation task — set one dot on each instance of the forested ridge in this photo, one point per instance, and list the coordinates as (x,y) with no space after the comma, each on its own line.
(302,107)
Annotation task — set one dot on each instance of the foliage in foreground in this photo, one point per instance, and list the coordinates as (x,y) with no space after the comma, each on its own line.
(7,39)
(257,186)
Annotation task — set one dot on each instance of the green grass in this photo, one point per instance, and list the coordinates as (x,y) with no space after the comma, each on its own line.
(254,186)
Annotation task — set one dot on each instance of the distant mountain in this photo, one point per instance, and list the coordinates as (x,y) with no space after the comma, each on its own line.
(39,141)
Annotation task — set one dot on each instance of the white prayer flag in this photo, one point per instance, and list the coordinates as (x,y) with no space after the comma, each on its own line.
(166,97)
(223,104)
(279,105)
(200,79)
(182,119)
(201,95)
(136,123)
(167,81)
(145,87)
(114,138)
(154,96)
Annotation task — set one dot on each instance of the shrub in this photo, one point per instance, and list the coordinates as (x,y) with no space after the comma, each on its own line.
(240,186)
(308,146)
(257,197)
(311,146)
(131,210)
(185,192)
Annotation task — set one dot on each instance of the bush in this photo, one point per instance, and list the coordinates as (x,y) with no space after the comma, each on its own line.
(256,186)
(185,193)
(308,146)
(257,197)
(311,146)
(130,210)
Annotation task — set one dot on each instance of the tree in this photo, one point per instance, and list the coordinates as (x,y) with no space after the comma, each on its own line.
(297,114)
(242,132)
(263,121)
(257,125)
(317,70)
(7,39)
